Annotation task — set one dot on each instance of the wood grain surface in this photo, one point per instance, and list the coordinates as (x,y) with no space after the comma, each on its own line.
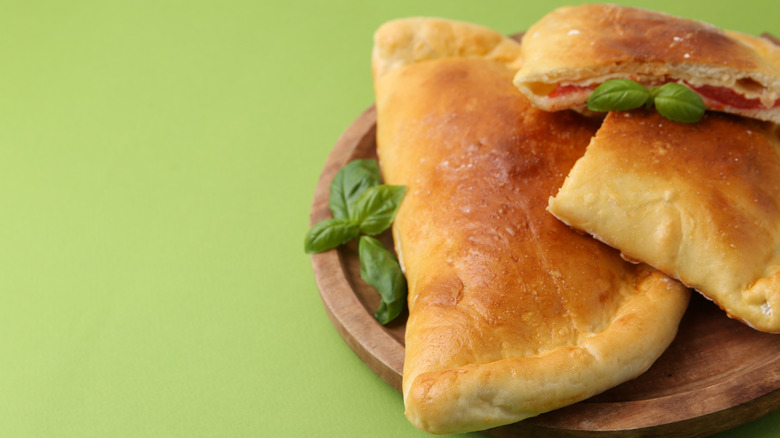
(716,375)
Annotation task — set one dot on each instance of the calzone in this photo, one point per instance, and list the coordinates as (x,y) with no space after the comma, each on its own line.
(572,50)
(700,202)
(511,313)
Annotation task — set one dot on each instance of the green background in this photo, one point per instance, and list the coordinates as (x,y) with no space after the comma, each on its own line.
(157,165)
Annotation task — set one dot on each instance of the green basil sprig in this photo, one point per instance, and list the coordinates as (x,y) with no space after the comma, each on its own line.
(330,233)
(380,268)
(375,209)
(362,207)
(618,95)
(352,180)
(673,101)
(677,102)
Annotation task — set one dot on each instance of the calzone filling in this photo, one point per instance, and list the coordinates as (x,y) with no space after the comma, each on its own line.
(572,50)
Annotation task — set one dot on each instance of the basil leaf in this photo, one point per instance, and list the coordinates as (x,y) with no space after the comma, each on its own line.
(618,95)
(380,269)
(349,183)
(376,208)
(328,234)
(678,103)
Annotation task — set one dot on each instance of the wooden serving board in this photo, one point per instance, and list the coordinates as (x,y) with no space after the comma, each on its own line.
(716,375)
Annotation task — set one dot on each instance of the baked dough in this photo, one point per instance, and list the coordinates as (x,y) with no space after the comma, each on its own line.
(572,50)
(511,313)
(700,202)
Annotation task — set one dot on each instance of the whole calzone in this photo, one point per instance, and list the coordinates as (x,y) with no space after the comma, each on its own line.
(700,202)
(572,50)
(511,313)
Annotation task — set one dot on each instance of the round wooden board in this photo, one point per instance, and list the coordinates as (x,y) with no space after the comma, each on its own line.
(716,375)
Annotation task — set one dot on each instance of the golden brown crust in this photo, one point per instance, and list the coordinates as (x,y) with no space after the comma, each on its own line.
(589,44)
(511,313)
(700,202)
(409,40)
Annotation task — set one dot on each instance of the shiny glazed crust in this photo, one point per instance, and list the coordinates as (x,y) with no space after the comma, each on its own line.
(700,202)
(511,313)
(590,44)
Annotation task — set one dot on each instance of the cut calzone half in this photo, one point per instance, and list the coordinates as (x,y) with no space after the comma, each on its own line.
(511,313)
(700,202)
(572,50)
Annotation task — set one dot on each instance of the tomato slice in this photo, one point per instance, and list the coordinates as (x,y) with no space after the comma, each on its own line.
(722,96)
(727,96)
